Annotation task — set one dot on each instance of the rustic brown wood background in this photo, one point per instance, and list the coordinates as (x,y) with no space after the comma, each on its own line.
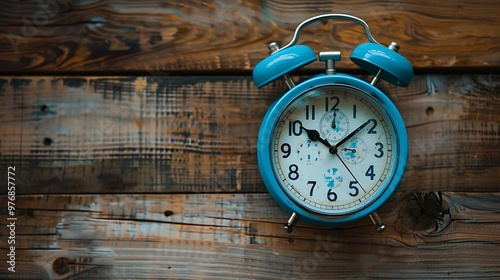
(132,129)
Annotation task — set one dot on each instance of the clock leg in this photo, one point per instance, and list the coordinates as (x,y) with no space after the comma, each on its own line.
(292,221)
(377,221)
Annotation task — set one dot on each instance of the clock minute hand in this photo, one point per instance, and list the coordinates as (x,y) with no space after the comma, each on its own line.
(314,136)
(353,132)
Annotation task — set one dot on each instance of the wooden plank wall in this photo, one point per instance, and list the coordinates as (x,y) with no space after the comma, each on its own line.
(130,129)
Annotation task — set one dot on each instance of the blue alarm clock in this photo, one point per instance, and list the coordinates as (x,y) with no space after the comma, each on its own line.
(333,148)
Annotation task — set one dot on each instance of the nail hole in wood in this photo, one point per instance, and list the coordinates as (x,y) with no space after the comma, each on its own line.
(429,111)
(44,108)
(168,213)
(47,141)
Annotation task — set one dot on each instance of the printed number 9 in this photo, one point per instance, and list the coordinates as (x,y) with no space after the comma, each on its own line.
(286,149)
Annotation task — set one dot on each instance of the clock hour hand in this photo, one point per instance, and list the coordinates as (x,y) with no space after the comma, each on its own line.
(354,132)
(314,136)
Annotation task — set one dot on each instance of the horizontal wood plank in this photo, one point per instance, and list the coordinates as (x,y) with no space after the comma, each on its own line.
(62,36)
(165,134)
(228,236)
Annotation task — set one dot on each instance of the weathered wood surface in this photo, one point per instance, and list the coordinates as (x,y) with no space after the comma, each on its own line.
(63,36)
(229,236)
(121,178)
(159,134)
(153,174)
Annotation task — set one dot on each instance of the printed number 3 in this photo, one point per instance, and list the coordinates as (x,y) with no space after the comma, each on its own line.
(380,150)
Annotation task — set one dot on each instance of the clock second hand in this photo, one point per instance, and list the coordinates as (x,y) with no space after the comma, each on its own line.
(345,165)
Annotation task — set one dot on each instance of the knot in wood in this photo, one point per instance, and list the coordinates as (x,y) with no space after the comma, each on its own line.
(61,266)
(424,213)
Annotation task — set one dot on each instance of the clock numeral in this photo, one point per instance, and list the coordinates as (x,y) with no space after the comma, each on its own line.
(353,188)
(372,130)
(294,172)
(354,111)
(294,128)
(370,173)
(313,184)
(380,150)
(335,104)
(310,112)
(331,196)
(286,149)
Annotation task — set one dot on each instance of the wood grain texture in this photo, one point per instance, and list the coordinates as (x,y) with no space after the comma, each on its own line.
(132,127)
(158,134)
(62,36)
(228,236)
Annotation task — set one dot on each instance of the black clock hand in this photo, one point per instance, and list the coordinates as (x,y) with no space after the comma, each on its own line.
(314,136)
(350,172)
(334,118)
(347,149)
(354,132)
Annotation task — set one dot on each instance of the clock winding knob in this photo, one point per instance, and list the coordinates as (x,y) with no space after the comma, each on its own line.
(329,57)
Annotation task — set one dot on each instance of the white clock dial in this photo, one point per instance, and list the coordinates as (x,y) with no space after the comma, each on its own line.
(333,150)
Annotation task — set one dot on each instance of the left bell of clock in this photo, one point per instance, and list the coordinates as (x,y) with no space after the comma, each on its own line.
(280,63)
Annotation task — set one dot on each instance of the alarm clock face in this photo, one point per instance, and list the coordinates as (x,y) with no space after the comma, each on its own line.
(333,149)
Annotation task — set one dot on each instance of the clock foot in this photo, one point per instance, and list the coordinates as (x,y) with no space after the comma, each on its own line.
(377,221)
(292,221)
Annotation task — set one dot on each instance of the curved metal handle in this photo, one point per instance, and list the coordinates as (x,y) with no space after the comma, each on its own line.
(330,16)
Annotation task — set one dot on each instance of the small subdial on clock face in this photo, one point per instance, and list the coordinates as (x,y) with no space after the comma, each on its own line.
(308,152)
(333,178)
(334,125)
(354,151)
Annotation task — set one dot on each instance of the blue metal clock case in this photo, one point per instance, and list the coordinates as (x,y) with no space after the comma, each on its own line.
(264,150)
